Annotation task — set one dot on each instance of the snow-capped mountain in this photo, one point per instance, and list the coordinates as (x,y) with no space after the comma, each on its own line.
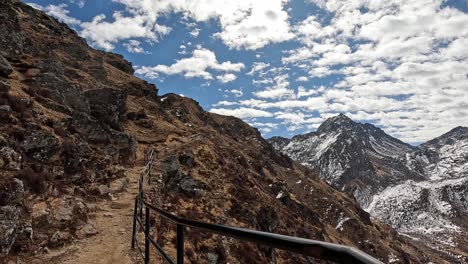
(421,191)
(357,158)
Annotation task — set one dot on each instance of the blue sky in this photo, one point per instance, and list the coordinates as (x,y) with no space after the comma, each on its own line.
(285,66)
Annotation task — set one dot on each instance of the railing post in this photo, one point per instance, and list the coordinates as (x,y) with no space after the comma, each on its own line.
(141,209)
(180,244)
(147,233)
(135,211)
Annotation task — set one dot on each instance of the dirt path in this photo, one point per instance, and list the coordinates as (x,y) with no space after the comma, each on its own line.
(113,221)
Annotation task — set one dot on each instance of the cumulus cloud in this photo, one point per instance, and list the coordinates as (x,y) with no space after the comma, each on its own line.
(133,46)
(279,90)
(198,65)
(58,11)
(228,77)
(402,64)
(105,34)
(244,24)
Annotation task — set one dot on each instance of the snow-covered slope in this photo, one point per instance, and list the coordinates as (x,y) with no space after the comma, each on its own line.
(421,191)
(443,157)
(358,158)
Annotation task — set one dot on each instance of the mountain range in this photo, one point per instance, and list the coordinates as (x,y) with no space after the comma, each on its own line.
(74,126)
(422,191)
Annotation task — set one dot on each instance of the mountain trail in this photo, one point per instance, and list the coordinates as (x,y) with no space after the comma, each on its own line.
(113,221)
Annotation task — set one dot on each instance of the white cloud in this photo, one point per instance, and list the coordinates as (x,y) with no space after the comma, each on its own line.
(133,46)
(279,90)
(228,77)
(245,24)
(198,65)
(58,11)
(195,32)
(258,67)
(404,63)
(235,92)
(242,112)
(302,79)
(105,34)
(79,3)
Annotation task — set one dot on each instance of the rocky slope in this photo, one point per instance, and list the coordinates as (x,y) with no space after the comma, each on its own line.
(73,118)
(420,191)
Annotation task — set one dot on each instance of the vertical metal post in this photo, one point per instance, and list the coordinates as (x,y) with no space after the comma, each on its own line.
(141,209)
(147,234)
(135,211)
(180,244)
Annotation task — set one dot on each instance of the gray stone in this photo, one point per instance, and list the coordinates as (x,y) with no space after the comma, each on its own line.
(68,211)
(85,231)
(108,105)
(175,180)
(118,185)
(59,238)
(5,108)
(5,67)
(212,258)
(11,192)
(41,145)
(103,190)
(9,217)
(11,158)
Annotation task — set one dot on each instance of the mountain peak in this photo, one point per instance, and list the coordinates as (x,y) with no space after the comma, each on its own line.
(336,122)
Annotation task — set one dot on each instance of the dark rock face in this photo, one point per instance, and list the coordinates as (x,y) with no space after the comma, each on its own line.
(9,218)
(175,180)
(11,37)
(41,145)
(5,67)
(56,93)
(118,62)
(108,105)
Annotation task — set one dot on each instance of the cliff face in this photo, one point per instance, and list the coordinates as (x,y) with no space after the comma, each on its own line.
(72,118)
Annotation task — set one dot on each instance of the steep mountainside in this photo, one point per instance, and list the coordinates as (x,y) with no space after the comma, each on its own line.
(72,118)
(421,191)
(357,158)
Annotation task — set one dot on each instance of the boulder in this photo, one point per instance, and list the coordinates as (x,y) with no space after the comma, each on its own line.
(11,192)
(119,62)
(41,145)
(4,87)
(11,37)
(108,105)
(9,217)
(5,108)
(10,158)
(118,185)
(134,116)
(175,180)
(5,67)
(30,73)
(67,96)
(59,238)
(68,211)
(103,190)
(40,213)
(86,230)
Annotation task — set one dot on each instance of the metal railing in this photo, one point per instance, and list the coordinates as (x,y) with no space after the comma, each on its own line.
(306,247)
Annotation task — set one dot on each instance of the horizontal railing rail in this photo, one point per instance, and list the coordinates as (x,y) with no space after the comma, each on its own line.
(307,247)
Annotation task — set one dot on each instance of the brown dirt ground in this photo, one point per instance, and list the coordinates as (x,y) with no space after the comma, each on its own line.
(113,221)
